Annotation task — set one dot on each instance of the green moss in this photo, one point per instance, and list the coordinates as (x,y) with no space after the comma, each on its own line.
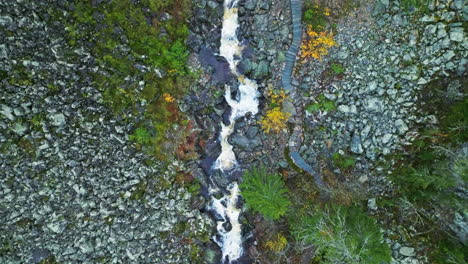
(139,192)
(344,162)
(36,121)
(421,4)
(180,228)
(194,187)
(49,260)
(20,76)
(141,136)
(53,89)
(321,104)
(337,68)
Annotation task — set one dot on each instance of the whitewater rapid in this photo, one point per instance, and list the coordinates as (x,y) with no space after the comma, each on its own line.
(230,241)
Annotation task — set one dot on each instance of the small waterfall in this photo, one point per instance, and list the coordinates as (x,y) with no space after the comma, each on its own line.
(229,236)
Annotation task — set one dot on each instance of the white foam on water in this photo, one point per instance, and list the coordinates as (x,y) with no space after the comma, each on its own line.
(246,101)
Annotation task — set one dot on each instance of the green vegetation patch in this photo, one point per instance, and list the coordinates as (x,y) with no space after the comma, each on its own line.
(344,162)
(341,235)
(337,68)
(140,49)
(265,193)
(322,104)
(421,4)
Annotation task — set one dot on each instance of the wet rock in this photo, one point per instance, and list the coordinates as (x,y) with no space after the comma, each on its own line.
(245,143)
(252,132)
(261,70)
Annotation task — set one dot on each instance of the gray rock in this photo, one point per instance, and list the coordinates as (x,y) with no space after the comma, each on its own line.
(261,21)
(3,51)
(166,16)
(460,227)
(356,146)
(401,126)
(458,4)
(344,108)
(39,254)
(386,138)
(427,18)
(19,128)
(372,204)
(407,251)
(449,55)
(385,2)
(288,107)
(410,73)
(5,21)
(246,65)
(7,112)
(212,4)
(365,132)
(374,104)
(372,86)
(265,5)
(57,119)
(441,33)
(250,4)
(456,34)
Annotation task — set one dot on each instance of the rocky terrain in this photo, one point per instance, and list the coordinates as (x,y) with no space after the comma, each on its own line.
(73,187)
(76,188)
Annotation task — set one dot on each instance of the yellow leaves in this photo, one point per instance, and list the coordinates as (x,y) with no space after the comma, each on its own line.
(168,98)
(277,245)
(317,44)
(277,98)
(326,12)
(274,120)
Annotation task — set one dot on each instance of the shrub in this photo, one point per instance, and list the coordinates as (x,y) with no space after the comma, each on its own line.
(322,104)
(277,245)
(141,136)
(315,16)
(265,193)
(274,121)
(316,44)
(337,68)
(342,235)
